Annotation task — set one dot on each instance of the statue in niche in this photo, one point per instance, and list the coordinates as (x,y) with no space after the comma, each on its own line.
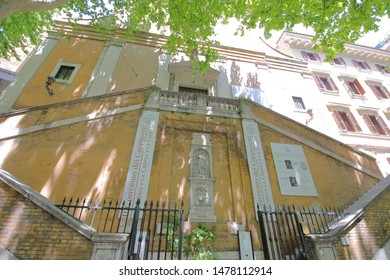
(201,164)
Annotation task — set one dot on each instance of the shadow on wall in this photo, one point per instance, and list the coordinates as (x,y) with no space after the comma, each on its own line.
(87,159)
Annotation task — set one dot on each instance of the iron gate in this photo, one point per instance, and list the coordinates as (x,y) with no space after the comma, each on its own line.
(155,230)
(283,229)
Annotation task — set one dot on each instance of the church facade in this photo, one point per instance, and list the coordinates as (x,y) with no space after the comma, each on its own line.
(105,118)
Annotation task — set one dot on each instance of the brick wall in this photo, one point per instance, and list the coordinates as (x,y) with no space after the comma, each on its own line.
(369,232)
(29,232)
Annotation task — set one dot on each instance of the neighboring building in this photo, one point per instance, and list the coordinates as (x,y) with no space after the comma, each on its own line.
(105,118)
(349,96)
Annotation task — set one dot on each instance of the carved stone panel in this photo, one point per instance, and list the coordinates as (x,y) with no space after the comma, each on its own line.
(201,179)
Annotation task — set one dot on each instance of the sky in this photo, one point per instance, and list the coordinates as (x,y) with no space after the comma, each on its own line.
(371,39)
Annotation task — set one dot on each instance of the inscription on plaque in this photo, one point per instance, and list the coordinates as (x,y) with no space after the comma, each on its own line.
(138,176)
(261,187)
(292,170)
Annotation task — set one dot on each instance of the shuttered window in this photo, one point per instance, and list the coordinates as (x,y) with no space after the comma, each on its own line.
(325,84)
(338,61)
(361,65)
(346,121)
(379,90)
(354,87)
(376,124)
(311,56)
(382,68)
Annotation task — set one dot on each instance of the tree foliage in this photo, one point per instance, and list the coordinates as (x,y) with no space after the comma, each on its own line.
(190,24)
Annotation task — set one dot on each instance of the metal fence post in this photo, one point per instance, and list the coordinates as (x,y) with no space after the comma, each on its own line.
(133,233)
(263,234)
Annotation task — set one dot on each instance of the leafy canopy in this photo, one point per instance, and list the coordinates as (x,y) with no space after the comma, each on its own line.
(190,23)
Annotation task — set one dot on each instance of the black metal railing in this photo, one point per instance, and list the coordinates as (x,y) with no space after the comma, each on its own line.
(155,230)
(283,229)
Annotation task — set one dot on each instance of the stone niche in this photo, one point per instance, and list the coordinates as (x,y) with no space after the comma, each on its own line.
(201,180)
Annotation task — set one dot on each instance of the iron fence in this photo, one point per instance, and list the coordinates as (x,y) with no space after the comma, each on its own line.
(283,229)
(155,230)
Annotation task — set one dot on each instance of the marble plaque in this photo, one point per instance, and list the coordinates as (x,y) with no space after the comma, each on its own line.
(292,170)
(138,176)
(246,246)
(261,187)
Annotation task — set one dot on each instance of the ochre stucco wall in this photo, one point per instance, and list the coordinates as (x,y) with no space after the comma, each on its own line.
(74,50)
(90,159)
(136,68)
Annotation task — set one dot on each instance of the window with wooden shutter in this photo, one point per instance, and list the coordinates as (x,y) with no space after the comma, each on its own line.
(338,61)
(376,124)
(325,84)
(361,65)
(346,121)
(354,87)
(382,68)
(380,91)
(312,56)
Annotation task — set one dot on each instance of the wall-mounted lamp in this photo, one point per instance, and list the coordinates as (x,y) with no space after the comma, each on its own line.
(310,113)
(48,83)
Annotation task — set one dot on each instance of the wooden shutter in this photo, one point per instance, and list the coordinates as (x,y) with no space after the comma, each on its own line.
(354,62)
(359,86)
(317,56)
(383,124)
(333,85)
(370,125)
(348,87)
(366,65)
(375,91)
(380,68)
(339,121)
(386,92)
(341,60)
(318,81)
(304,55)
(355,124)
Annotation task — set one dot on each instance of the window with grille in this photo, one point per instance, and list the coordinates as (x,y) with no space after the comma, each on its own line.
(65,72)
(376,124)
(325,84)
(298,103)
(346,121)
